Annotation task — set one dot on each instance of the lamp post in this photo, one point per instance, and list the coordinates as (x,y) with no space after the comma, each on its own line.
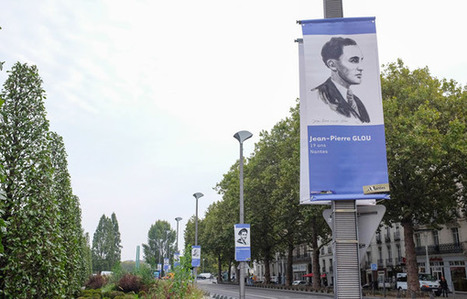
(242,136)
(177,219)
(197,195)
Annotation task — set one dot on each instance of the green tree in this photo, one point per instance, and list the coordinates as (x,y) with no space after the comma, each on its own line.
(69,217)
(425,121)
(161,243)
(217,237)
(116,247)
(32,266)
(105,251)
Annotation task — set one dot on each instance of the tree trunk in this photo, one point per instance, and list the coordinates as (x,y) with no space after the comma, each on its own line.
(288,278)
(229,274)
(411,259)
(267,271)
(315,265)
(219,269)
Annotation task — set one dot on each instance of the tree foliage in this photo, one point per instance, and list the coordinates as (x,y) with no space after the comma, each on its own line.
(40,260)
(106,248)
(161,243)
(425,121)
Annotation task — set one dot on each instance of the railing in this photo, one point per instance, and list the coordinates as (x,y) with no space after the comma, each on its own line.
(439,249)
(301,258)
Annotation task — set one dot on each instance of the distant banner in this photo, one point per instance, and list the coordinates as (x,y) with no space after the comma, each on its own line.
(242,242)
(176,259)
(166,264)
(342,141)
(195,256)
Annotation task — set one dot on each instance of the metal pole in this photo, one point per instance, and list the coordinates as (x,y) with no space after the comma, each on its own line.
(177,219)
(196,195)
(196,223)
(242,264)
(242,136)
(345,230)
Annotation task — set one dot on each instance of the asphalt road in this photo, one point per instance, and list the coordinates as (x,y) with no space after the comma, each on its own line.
(232,291)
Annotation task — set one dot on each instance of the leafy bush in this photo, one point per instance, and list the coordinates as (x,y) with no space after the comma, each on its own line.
(130,283)
(95,282)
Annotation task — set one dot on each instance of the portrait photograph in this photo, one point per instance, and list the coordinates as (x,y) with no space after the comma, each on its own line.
(342,84)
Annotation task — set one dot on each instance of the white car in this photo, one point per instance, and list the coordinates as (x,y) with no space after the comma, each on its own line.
(298,282)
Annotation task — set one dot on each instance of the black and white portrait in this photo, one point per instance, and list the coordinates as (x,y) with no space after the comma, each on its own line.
(341,80)
(242,237)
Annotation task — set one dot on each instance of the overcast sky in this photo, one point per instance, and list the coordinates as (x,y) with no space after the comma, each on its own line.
(148,94)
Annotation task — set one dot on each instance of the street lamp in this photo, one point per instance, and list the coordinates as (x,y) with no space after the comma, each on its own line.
(242,136)
(197,195)
(177,219)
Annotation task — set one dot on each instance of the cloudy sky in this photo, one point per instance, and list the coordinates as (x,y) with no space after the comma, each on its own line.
(148,94)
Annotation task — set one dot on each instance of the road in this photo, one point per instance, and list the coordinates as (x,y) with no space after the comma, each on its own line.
(232,291)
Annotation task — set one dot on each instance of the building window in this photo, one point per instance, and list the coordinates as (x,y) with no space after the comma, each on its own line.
(418,241)
(455,235)
(435,237)
(389,252)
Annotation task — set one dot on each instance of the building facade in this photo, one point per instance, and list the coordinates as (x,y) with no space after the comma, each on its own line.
(439,252)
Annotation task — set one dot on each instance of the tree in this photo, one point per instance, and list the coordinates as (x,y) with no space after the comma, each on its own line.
(161,243)
(69,217)
(425,122)
(32,265)
(105,249)
(116,247)
(217,237)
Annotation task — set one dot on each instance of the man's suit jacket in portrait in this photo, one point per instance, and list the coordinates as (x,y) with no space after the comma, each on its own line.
(331,96)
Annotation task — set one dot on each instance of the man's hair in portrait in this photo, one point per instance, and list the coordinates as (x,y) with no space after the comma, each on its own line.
(333,49)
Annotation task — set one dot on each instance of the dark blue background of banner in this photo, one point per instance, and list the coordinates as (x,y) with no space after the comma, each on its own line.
(339,26)
(348,165)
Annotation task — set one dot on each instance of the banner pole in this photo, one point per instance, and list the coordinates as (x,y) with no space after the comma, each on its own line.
(344,224)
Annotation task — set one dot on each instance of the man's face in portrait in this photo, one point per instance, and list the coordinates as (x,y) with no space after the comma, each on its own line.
(244,235)
(349,65)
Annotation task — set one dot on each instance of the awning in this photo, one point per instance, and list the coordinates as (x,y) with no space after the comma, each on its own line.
(311,275)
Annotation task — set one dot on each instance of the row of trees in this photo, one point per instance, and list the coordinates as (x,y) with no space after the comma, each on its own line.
(44,246)
(426,137)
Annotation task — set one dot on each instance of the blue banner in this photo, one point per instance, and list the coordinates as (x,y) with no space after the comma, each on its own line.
(176,259)
(242,242)
(342,141)
(195,256)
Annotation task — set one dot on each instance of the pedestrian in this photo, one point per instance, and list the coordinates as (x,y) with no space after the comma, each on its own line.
(443,284)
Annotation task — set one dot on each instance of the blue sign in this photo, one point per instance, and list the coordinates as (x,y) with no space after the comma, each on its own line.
(342,139)
(242,242)
(195,256)
(166,264)
(176,259)
(374,267)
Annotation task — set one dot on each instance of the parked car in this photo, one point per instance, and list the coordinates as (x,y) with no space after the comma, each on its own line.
(427,283)
(205,276)
(298,282)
